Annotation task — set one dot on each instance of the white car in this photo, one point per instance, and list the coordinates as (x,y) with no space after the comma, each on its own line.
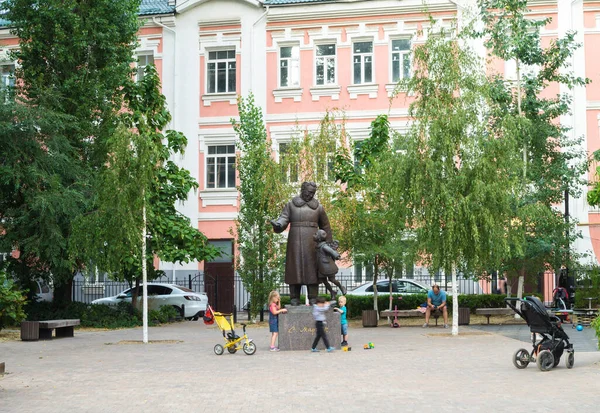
(189,304)
(43,291)
(399,286)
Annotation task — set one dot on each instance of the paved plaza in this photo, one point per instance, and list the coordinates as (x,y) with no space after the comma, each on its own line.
(410,370)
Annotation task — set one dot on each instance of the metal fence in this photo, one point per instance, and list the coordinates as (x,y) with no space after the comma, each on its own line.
(218,293)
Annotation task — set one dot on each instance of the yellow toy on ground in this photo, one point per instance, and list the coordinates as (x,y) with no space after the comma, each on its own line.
(233,342)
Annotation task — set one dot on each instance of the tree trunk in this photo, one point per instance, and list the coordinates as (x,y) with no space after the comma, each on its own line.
(375,274)
(63,293)
(520,288)
(144,277)
(454,304)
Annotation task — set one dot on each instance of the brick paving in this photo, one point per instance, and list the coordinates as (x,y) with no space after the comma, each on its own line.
(410,370)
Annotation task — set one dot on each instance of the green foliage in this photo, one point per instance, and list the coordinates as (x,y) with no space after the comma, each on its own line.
(370,228)
(12,301)
(75,58)
(260,258)
(356,304)
(455,176)
(588,286)
(123,315)
(163,315)
(596,325)
(552,162)
(138,176)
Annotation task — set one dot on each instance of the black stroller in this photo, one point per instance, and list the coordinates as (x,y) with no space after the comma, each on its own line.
(548,337)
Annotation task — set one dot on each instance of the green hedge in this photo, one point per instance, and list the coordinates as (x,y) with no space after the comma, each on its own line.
(123,315)
(357,303)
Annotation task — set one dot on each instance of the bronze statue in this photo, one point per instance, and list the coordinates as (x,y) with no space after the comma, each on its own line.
(305,216)
(326,266)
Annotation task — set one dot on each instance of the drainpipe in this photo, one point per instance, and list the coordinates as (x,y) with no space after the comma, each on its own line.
(174,111)
(252,45)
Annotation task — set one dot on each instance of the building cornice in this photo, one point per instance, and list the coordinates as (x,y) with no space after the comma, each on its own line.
(351,10)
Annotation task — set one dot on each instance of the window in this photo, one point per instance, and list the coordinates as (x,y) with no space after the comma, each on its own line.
(144,61)
(220,167)
(8,81)
(357,166)
(324,166)
(408,287)
(288,162)
(363,62)
(289,66)
(325,64)
(221,72)
(400,59)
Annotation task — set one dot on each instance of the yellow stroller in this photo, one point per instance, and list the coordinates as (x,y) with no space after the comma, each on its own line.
(233,342)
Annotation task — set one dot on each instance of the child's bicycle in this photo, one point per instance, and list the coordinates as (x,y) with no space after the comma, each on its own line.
(233,342)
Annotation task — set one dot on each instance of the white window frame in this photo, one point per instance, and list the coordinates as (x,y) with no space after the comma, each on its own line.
(326,58)
(140,68)
(363,57)
(216,61)
(227,155)
(293,66)
(403,54)
(281,155)
(8,77)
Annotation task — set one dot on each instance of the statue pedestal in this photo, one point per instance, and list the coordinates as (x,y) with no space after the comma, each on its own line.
(297,329)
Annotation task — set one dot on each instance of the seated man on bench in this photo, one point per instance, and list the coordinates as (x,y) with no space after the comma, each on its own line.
(436,301)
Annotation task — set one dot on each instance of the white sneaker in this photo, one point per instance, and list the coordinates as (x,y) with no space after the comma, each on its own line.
(425,325)
(445,325)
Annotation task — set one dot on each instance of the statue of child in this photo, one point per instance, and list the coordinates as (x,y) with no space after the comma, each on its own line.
(326,266)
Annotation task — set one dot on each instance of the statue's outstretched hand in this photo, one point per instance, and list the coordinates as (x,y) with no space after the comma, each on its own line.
(276,225)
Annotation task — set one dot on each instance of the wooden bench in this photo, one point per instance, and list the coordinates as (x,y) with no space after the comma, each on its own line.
(493,311)
(409,313)
(42,330)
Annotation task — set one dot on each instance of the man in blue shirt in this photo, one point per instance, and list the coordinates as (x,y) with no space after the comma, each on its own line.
(436,301)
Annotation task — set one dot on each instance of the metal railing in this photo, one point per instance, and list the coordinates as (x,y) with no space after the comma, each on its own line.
(85,291)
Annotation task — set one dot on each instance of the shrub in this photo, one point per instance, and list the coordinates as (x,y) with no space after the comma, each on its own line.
(596,326)
(12,301)
(98,315)
(164,314)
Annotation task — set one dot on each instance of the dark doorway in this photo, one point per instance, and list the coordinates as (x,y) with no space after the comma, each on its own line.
(218,277)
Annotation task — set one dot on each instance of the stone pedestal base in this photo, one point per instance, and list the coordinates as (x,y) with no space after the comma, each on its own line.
(297,329)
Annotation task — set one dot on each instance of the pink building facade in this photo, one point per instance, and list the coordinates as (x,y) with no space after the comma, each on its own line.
(301,58)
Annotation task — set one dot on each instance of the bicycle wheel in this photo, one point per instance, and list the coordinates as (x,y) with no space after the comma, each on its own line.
(249,348)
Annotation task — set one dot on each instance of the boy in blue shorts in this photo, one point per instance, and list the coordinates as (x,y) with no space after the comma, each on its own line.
(343,321)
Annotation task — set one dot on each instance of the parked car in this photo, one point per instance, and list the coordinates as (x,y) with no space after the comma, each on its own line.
(399,286)
(43,291)
(190,304)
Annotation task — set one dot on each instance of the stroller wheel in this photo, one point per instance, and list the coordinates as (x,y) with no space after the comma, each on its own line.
(232,349)
(545,360)
(249,348)
(219,349)
(521,358)
(570,360)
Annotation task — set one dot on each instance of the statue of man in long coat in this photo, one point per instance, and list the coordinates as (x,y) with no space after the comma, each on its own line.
(305,215)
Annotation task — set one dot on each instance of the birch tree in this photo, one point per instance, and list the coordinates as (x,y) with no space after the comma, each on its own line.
(456,174)
(553,163)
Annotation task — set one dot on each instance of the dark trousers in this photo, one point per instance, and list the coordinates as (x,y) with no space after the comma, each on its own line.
(320,333)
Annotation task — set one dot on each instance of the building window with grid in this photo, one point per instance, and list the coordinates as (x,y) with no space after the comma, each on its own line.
(220,167)
(289,162)
(325,70)
(363,62)
(143,61)
(221,72)
(7,71)
(289,66)
(400,59)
